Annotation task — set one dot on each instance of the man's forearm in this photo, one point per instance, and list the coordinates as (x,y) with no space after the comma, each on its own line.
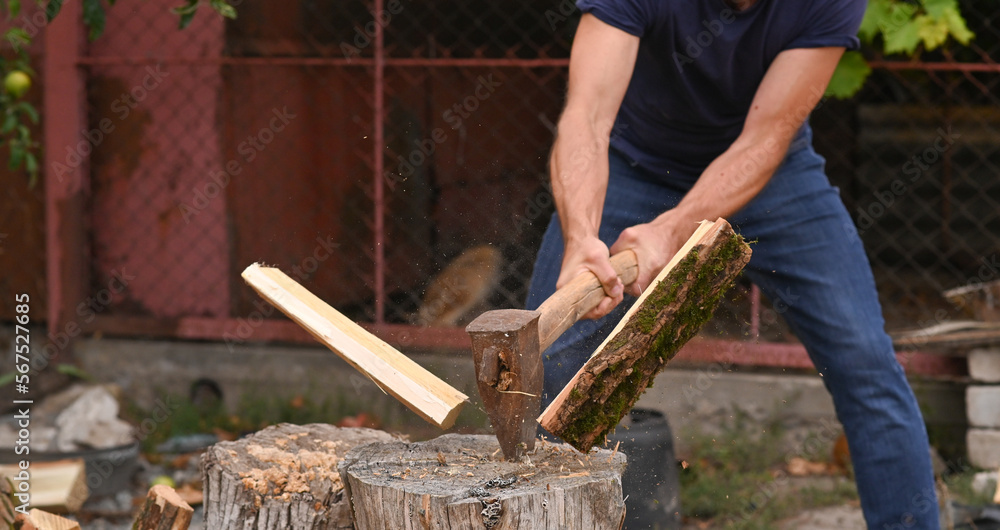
(790,90)
(579,172)
(733,179)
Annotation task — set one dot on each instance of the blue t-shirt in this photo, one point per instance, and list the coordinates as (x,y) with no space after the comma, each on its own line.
(699,65)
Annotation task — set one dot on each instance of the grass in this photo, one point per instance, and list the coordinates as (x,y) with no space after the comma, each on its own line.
(261,409)
(959,483)
(737,480)
(254,413)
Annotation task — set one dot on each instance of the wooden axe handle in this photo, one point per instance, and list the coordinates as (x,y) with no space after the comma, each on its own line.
(577,298)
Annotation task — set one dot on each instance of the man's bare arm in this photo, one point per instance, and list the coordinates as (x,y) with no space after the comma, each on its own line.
(791,88)
(600,68)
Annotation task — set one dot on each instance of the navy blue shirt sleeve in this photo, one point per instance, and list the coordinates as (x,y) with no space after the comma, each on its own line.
(631,16)
(832,24)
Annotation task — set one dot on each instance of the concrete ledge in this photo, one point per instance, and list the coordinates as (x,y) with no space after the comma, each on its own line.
(700,399)
(148,369)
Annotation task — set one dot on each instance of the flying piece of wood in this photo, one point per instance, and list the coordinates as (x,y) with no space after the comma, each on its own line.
(421,391)
(670,311)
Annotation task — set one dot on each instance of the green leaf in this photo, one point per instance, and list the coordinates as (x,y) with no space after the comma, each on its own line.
(936,8)
(849,77)
(223,8)
(16,156)
(957,27)
(28,109)
(186,19)
(14,7)
(73,371)
(17,37)
(31,164)
(932,31)
(93,18)
(52,9)
(186,12)
(9,122)
(190,7)
(900,14)
(876,16)
(903,38)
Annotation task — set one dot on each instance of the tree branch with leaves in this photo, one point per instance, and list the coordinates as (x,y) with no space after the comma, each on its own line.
(899,27)
(15,66)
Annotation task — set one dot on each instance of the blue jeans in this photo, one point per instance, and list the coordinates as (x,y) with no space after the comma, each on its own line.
(809,256)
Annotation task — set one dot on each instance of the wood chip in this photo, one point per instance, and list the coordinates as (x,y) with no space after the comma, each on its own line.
(613,453)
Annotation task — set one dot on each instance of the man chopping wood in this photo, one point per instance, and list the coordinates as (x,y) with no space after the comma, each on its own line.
(682,111)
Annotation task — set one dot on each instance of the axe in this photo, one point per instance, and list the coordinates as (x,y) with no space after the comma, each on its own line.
(507,346)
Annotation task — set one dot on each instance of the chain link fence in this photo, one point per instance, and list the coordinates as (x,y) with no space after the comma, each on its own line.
(395,163)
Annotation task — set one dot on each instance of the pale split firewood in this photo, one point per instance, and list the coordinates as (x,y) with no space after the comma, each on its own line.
(281,478)
(463,482)
(40,520)
(163,510)
(418,389)
(670,311)
(977,299)
(59,486)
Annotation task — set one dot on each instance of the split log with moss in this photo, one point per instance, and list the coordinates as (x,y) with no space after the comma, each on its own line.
(463,482)
(670,311)
(281,478)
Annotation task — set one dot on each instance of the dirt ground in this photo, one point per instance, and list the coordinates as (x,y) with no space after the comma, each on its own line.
(846,517)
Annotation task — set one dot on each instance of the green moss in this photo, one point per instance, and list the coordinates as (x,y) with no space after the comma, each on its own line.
(592,417)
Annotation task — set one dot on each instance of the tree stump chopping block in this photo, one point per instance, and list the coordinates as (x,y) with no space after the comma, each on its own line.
(462,482)
(283,477)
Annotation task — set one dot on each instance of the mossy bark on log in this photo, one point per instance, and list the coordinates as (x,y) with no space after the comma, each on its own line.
(163,510)
(462,482)
(283,477)
(670,312)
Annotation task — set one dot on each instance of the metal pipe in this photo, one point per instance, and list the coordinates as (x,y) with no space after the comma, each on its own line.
(379,164)
(935,67)
(404,62)
(395,62)
(64,102)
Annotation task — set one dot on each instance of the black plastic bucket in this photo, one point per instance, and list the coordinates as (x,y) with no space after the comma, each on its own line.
(651,483)
(108,470)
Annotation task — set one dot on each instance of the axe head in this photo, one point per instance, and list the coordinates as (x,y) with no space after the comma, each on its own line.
(509,375)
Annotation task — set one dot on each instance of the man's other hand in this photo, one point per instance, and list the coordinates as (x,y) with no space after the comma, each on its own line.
(654,244)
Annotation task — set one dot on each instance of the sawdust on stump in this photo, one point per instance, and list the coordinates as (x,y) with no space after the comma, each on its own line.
(284,476)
